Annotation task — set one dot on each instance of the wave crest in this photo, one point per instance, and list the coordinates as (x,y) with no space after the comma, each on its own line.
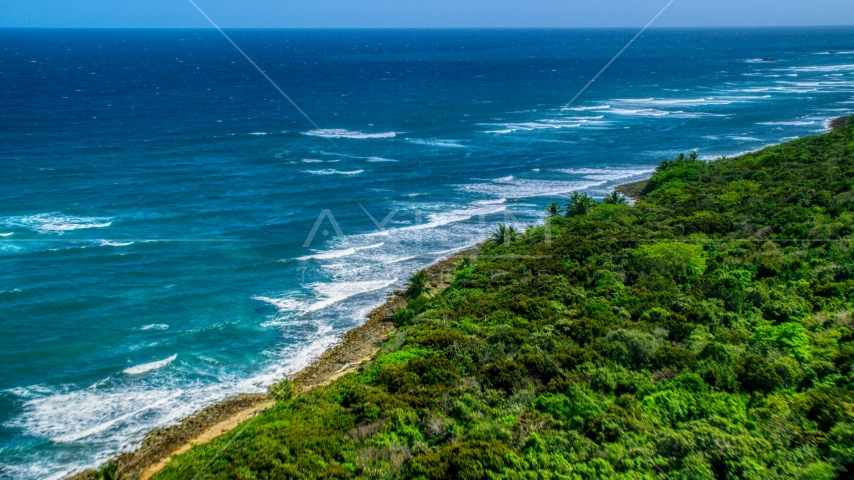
(342,133)
(147,367)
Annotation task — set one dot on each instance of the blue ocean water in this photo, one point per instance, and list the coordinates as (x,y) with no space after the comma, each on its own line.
(173,231)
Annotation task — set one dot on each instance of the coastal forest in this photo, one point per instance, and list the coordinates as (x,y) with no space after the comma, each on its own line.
(705,331)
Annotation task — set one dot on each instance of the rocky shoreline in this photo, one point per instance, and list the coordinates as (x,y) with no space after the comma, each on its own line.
(356,346)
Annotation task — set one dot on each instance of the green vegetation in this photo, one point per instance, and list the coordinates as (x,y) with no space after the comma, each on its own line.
(614,198)
(703,333)
(505,235)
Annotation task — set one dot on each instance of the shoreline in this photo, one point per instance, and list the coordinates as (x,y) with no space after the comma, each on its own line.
(356,346)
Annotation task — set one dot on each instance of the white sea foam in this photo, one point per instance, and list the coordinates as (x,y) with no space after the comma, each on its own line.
(380,160)
(796,123)
(436,143)
(339,253)
(6,234)
(325,295)
(525,188)
(679,102)
(258,133)
(147,367)
(311,160)
(440,219)
(746,139)
(330,171)
(500,201)
(341,133)
(108,243)
(584,109)
(607,174)
(538,125)
(401,259)
(334,292)
(155,326)
(824,68)
(56,223)
(640,112)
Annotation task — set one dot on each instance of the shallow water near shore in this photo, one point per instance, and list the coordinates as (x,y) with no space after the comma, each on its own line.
(172,232)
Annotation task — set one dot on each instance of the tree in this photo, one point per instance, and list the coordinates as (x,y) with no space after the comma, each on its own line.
(418,284)
(579,204)
(553,209)
(505,234)
(678,259)
(615,198)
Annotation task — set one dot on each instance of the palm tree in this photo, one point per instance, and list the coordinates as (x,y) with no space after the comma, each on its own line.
(553,209)
(579,204)
(505,234)
(418,284)
(614,198)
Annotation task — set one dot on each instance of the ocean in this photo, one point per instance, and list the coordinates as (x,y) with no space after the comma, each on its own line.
(173,231)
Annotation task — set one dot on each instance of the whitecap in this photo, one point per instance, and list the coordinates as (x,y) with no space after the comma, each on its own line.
(332,293)
(258,133)
(56,223)
(341,133)
(440,219)
(380,160)
(155,326)
(339,253)
(329,255)
(529,126)
(147,367)
(286,304)
(642,112)
(6,234)
(607,173)
(525,188)
(108,243)
(330,171)
(796,123)
(680,102)
(824,68)
(436,143)
(584,109)
(326,294)
(311,160)
(491,202)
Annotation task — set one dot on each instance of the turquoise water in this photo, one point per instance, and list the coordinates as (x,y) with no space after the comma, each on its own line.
(158,249)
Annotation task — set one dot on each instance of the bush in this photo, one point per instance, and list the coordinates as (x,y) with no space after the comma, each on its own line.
(756,374)
(682,260)
(504,375)
(638,347)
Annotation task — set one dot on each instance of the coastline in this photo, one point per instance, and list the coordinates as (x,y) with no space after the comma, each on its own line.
(356,346)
